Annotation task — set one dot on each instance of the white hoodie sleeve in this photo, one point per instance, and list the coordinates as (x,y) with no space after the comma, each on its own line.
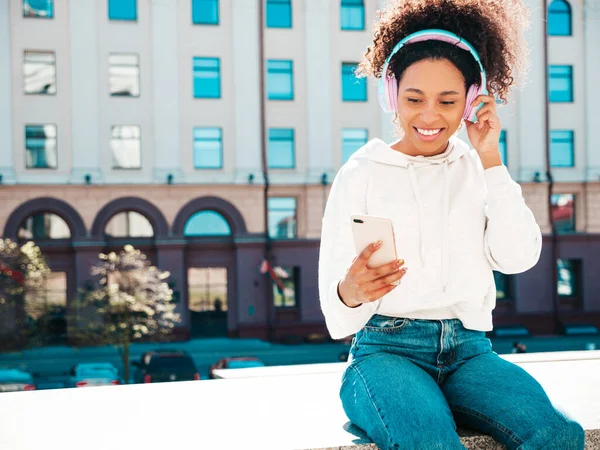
(513,240)
(347,197)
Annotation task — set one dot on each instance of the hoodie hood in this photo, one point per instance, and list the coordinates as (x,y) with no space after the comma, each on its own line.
(378,151)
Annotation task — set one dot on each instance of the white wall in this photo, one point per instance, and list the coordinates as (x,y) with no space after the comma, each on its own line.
(84,70)
(166,111)
(6,141)
(42,35)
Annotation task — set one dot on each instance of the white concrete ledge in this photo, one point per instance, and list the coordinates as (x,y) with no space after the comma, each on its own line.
(296,411)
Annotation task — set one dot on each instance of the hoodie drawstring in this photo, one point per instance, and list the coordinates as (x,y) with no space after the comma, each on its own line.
(445,220)
(445,229)
(417,193)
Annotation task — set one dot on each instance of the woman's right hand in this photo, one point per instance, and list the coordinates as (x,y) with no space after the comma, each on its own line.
(363,285)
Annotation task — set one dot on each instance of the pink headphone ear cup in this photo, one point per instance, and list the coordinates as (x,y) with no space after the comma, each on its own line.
(469,113)
(392,93)
(471,95)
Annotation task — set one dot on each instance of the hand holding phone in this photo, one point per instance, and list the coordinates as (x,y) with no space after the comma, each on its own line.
(368,279)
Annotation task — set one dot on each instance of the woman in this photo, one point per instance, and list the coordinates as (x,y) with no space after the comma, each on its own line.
(420,362)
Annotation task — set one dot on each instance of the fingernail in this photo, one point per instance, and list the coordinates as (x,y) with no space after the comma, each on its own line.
(399,262)
(404,269)
(377,244)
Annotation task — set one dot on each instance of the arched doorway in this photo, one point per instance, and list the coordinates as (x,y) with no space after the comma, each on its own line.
(209,225)
(40,317)
(207,285)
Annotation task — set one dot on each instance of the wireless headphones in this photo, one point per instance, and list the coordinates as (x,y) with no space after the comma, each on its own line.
(388,85)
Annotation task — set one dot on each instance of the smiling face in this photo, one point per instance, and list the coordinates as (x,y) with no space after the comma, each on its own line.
(431,101)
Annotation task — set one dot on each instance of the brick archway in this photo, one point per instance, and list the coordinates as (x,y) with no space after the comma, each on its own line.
(139,205)
(49,205)
(223,207)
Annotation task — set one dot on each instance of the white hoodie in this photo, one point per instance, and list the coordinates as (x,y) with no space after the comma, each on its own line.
(454,224)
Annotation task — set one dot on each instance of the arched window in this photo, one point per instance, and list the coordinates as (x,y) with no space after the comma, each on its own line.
(128,224)
(207,223)
(559,18)
(43,226)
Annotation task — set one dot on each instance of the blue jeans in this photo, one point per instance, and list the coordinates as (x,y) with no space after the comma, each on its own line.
(410,382)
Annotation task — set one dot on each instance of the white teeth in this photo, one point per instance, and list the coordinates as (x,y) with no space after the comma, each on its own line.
(428,132)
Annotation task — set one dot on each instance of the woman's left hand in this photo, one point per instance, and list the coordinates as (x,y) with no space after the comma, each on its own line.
(485,134)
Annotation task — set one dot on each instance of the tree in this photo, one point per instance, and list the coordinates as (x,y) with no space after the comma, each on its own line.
(132,302)
(23,276)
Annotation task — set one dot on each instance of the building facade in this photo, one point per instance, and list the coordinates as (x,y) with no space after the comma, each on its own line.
(139,121)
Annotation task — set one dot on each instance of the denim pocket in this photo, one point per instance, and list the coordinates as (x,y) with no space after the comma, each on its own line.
(385,324)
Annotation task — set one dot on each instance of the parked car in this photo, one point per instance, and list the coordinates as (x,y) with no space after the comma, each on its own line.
(235,362)
(13,380)
(94,374)
(165,365)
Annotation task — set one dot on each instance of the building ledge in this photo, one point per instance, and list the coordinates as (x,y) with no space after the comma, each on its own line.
(288,407)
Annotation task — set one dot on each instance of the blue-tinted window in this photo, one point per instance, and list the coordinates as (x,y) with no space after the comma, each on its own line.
(502,286)
(40,147)
(122,9)
(568,277)
(205,12)
(279,14)
(207,223)
(208,148)
(281,148)
(562,153)
(207,77)
(560,83)
(353,89)
(559,18)
(352,15)
(282,217)
(352,140)
(280,79)
(38,8)
(563,212)
(502,147)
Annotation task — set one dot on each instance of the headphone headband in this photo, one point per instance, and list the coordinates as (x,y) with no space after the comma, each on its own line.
(434,34)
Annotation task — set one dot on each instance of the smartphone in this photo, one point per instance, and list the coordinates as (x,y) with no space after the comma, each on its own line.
(369,229)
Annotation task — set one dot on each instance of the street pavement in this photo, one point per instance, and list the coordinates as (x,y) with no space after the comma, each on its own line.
(50,365)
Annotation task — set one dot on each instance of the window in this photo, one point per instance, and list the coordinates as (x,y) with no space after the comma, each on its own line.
(207,290)
(502,286)
(285,291)
(352,140)
(46,307)
(569,274)
(44,226)
(126,147)
(207,77)
(562,153)
(352,15)
(560,84)
(122,9)
(279,14)
(124,74)
(281,148)
(280,79)
(40,147)
(563,212)
(39,72)
(559,18)
(502,147)
(208,148)
(207,223)
(205,12)
(353,89)
(282,217)
(128,224)
(43,9)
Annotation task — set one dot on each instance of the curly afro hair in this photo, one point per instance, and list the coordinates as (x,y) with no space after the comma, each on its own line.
(494,27)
